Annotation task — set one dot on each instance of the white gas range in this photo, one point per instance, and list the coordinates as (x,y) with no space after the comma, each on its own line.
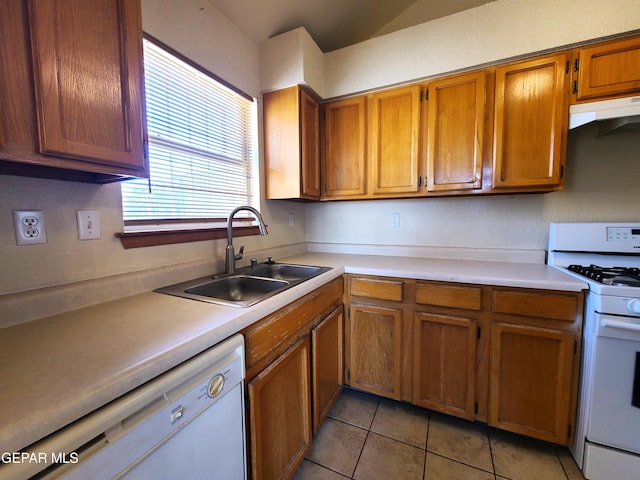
(607,257)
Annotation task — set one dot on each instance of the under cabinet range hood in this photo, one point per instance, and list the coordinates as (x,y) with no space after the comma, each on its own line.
(611,115)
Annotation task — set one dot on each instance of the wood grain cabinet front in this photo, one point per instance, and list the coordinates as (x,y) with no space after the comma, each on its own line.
(504,356)
(344,166)
(376,349)
(535,356)
(291,122)
(532,371)
(84,119)
(294,375)
(455,127)
(393,136)
(327,347)
(531,123)
(606,70)
(280,414)
(444,369)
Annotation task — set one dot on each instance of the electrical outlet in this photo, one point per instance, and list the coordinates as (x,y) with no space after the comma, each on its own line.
(88,224)
(394,220)
(29,227)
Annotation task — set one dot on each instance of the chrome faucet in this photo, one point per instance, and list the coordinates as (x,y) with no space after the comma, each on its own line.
(230,263)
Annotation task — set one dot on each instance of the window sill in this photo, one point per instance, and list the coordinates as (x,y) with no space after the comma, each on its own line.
(136,239)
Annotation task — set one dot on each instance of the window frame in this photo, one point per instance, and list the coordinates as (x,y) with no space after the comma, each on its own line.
(172,231)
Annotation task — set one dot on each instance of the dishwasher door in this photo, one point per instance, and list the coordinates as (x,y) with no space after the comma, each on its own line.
(187,423)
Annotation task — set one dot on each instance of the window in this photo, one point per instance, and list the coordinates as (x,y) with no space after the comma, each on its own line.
(202,155)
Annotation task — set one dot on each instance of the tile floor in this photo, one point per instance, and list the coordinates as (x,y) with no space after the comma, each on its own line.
(369,438)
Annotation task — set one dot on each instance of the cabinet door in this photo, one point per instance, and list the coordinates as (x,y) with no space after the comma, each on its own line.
(310,147)
(291,144)
(375,349)
(607,70)
(87,65)
(280,414)
(531,381)
(530,123)
(327,365)
(444,368)
(393,140)
(344,169)
(456,110)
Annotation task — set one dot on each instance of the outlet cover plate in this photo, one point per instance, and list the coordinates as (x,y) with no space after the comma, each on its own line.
(29,227)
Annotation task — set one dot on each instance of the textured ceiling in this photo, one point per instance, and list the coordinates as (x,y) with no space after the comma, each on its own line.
(335,24)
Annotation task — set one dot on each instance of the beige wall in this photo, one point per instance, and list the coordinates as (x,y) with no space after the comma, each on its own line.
(486,34)
(205,35)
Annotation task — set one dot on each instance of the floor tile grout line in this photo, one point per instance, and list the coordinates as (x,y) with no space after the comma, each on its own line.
(365,438)
(426,447)
(367,426)
(564,470)
(493,463)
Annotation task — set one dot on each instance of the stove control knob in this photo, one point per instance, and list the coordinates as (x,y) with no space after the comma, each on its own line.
(633,305)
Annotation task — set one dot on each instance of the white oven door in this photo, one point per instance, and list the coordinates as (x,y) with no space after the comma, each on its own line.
(615,407)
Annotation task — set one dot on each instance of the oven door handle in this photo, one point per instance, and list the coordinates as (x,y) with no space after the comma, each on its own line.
(629,326)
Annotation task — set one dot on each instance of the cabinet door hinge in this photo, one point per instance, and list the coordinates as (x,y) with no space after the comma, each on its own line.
(567,66)
(575,86)
(419,181)
(479,332)
(576,65)
(426,94)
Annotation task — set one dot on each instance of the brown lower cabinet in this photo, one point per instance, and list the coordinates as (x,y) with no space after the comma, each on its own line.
(295,370)
(280,414)
(504,356)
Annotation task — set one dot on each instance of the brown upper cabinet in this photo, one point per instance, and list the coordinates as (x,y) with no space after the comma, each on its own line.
(530,123)
(291,119)
(344,161)
(455,132)
(72,88)
(497,130)
(394,127)
(606,70)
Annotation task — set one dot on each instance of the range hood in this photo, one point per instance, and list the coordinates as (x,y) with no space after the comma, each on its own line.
(611,115)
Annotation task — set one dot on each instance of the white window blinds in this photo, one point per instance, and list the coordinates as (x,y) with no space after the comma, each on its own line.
(201,146)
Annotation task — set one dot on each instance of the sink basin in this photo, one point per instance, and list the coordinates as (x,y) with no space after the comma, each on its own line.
(283,271)
(238,288)
(247,286)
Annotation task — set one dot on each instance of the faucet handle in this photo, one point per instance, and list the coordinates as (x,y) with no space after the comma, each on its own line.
(238,255)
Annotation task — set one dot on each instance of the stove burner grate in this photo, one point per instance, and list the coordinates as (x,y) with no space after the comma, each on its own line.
(616,276)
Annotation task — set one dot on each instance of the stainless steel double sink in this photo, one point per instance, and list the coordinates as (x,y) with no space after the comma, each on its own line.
(247,286)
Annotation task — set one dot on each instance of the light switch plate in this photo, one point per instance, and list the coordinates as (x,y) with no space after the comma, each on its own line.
(89,225)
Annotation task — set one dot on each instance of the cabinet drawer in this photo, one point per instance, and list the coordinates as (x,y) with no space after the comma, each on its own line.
(469,298)
(377,288)
(267,337)
(536,304)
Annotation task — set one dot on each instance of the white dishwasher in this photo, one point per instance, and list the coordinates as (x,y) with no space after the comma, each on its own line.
(188,423)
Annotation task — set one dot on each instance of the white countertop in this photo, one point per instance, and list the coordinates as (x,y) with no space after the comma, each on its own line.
(57,369)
